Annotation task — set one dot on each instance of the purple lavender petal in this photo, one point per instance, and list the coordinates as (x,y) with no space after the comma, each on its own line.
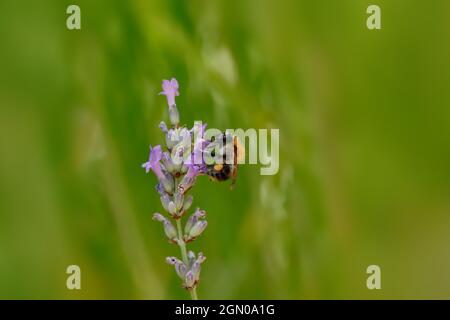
(170,90)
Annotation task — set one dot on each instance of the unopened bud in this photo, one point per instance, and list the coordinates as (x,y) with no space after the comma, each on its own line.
(187,203)
(181,270)
(159,217)
(198,214)
(191,257)
(196,270)
(197,229)
(179,265)
(201,258)
(179,200)
(190,280)
(196,266)
(170,230)
(167,182)
(168,163)
(165,201)
(163,127)
(173,260)
(172,208)
(171,139)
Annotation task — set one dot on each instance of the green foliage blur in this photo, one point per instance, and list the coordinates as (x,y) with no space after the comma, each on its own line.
(364,119)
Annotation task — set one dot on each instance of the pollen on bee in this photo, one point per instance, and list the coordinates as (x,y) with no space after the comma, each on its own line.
(218,167)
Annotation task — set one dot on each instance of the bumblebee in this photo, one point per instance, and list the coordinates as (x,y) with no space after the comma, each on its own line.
(223,170)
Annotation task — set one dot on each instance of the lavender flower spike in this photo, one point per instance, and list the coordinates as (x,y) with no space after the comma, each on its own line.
(177,168)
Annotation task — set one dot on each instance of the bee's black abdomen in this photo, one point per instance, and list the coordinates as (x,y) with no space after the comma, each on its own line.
(221,176)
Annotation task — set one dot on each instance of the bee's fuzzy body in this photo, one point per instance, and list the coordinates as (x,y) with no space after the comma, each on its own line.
(224,171)
(220,172)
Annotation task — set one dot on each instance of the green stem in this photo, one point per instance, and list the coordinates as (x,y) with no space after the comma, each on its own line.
(194,293)
(182,245)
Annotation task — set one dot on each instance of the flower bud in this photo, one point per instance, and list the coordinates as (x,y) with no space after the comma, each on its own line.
(196,266)
(168,163)
(190,223)
(169,229)
(165,201)
(197,229)
(173,260)
(171,138)
(179,265)
(179,200)
(163,127)
(187,203)
(190,280)
(168,183)
(172,208)
(191,257)
(159,217)
(181,270)
(198,214)
(201,258)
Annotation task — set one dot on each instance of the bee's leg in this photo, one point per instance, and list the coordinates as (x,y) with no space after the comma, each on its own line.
(235,155)
(233,178)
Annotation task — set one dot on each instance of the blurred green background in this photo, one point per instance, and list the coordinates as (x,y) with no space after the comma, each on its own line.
(364,119)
